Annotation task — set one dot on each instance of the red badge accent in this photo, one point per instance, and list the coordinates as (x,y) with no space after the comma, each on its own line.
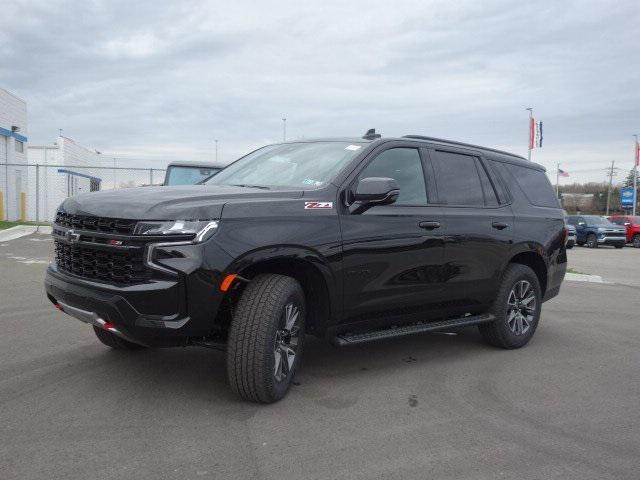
(115,242)
(314,205)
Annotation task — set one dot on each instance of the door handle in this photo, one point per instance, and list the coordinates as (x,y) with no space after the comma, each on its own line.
(499,225)
(429,225)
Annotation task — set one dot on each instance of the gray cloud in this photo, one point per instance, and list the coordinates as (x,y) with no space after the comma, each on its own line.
(151,79)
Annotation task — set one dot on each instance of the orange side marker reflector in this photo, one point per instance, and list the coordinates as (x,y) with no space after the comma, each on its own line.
(228,280)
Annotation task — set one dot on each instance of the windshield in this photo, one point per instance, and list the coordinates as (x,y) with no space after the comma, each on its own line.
(290,165)
(595,220)
(185,175)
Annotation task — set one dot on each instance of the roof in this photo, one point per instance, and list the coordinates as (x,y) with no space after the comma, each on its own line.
(499,155)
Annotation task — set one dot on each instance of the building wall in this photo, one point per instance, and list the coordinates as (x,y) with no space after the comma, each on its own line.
(13,178)
(53,185)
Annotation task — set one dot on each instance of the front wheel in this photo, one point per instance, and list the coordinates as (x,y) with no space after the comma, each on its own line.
(516,308)
(266,338)
(621,245)
(592,241)
(636,240)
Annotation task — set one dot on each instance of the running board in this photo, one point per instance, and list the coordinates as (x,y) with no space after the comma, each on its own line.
(343,340)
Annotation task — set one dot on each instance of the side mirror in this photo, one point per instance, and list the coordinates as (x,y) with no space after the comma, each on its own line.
(377,190)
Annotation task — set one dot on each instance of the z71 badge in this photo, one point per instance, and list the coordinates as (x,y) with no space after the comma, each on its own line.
(312,205)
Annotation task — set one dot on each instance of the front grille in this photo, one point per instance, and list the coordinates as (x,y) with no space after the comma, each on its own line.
(113,266)
(615,234)
(96,224)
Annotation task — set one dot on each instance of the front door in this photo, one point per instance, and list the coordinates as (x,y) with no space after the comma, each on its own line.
(393,255)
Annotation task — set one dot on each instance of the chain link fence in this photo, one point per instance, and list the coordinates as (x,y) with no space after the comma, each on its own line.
(33,192)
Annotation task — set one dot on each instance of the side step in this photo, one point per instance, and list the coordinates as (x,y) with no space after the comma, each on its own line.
(343,340)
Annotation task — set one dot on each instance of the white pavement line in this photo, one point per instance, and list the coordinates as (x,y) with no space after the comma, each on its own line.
(16,232)
(581,277)
(29,262)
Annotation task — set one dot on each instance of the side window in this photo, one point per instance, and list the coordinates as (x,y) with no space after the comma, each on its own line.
(572,221)
(490,199)
(535,185)
(498,183)
(457,179)
(403,165)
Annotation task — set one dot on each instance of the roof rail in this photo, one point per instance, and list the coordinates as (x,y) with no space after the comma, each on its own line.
(462,144)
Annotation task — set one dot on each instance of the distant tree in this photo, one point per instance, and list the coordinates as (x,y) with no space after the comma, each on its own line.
(629,180)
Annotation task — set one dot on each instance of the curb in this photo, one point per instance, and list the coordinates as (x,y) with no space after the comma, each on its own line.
(580,277)
(21,231)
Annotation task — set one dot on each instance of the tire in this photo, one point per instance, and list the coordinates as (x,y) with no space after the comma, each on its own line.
(114,341)
(619,245)
(592,241)
(636,240)
(569,246)
(514,333)
(264,331)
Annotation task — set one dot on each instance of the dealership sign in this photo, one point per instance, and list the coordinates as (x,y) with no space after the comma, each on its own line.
(627,197)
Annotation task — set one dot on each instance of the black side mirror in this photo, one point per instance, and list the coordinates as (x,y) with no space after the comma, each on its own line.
(372,191)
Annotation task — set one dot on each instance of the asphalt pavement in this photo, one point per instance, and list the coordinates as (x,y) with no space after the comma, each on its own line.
(426,407)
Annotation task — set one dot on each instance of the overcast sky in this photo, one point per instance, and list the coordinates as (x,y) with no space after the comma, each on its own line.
(150,79)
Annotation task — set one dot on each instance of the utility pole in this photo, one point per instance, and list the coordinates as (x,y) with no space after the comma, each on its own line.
(636,154)
(216,150)
(529,129)
(284,129)
(610,174)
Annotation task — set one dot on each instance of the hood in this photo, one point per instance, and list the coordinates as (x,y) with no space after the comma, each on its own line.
(188,202)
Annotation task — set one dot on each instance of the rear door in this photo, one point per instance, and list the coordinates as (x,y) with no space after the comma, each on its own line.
(393,254)
(477,227)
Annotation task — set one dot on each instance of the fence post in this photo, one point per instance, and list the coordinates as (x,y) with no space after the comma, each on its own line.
(37,197)
(151,176)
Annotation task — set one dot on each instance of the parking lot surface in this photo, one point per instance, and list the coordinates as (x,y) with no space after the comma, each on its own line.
(431,406)
(614,265)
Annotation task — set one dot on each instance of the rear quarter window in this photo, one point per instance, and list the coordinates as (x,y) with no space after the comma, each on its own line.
(535,185)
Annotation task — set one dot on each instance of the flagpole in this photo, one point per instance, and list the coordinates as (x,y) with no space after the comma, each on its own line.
(529,128)
(558,180)
(635,175)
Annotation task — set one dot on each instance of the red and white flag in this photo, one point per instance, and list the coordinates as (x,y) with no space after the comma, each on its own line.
(637,154)
(562,173)
(535,134)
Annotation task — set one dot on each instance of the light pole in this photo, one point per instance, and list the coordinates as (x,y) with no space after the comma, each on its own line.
(636,156)
(216,150)
(284,129)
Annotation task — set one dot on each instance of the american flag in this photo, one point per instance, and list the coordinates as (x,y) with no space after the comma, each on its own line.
(562,173)
(637,154)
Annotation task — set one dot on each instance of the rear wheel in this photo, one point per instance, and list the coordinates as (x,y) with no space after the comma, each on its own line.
(266,338)
(592,241)
(516,308)
(619,245)
(114,341)
(569,246)
(636,240)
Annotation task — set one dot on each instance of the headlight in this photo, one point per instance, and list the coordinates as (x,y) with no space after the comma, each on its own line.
(202,229)
(601,229)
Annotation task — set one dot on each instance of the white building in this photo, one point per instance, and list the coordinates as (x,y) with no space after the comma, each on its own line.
(59,171)
(13,157)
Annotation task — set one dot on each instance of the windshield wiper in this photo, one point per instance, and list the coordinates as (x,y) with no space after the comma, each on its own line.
(244,185)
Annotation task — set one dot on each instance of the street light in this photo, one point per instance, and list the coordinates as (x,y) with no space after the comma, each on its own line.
(284,129)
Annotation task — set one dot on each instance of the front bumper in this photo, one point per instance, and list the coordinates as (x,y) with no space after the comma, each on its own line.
(612,240)
(165,312)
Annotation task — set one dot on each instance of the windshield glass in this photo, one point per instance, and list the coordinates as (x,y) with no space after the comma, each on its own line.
(291,165)
(184,175)
(595,220)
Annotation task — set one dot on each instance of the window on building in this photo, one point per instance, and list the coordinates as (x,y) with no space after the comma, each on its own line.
(19,146)
(458,179)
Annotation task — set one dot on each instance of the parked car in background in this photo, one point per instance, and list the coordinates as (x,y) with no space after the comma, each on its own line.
(190,173)
(594,230)
(632,225)
(571,236)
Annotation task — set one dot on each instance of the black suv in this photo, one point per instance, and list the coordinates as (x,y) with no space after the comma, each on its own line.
(354,240)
